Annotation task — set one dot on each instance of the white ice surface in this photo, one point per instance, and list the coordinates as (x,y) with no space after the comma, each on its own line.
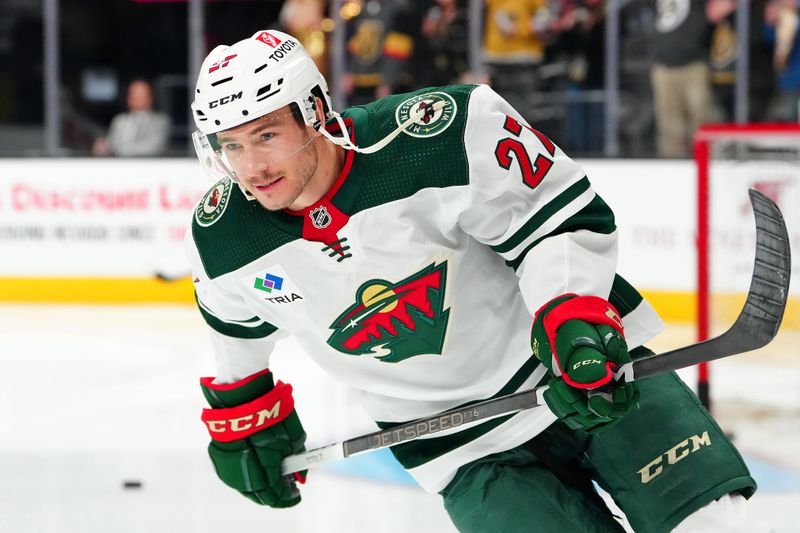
(92,397)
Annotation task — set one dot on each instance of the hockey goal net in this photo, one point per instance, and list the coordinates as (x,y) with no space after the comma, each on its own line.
(730,160)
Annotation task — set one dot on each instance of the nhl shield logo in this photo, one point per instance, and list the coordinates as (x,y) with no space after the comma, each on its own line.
(320,217)
(434,113)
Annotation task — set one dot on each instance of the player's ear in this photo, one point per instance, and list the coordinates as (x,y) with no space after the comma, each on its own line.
(319,110)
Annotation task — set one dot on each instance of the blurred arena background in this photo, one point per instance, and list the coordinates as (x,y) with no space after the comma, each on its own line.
(101,345)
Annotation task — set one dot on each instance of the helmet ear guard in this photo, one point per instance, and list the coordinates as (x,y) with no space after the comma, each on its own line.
(324,97)
(310,111)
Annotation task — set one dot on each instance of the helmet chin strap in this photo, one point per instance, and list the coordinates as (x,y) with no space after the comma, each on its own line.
(347,144)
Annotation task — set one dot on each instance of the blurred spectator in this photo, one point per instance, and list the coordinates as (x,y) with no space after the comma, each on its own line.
(304,20)
(445,30)
(762,79)
(514,46)
(723,56)
(380,42)
(680,74)
(724,53)
(781,21)
(582,36)
(635,115)
(139,132)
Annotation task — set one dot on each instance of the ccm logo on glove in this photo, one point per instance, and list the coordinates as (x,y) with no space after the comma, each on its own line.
(581,341)
(569,308)
(245,422)
(226,425)
(587,362)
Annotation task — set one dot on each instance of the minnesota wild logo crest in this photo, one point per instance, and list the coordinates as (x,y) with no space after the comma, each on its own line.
(213,204)
(395,321)
(434,111)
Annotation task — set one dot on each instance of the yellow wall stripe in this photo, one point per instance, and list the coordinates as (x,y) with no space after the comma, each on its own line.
(673,306)
(676,306)
(96,290)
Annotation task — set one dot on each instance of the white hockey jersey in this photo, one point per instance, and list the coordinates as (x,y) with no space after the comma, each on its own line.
(415,279)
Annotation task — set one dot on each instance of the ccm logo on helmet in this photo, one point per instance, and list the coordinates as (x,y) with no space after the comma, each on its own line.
(225,100)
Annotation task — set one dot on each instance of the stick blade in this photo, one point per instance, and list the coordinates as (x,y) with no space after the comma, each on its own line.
(763,310)
(761,317)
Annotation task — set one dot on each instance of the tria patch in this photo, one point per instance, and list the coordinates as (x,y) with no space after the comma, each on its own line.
(274,285)
(435,112)
(214,203)
(395,321)
(269,282)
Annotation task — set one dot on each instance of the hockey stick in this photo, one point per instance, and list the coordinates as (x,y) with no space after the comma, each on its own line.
(756,325)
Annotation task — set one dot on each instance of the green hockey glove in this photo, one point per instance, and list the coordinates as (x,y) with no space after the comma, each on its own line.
(253,427)
(581,341)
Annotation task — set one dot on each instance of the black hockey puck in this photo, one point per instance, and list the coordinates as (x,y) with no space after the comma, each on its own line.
(131,484)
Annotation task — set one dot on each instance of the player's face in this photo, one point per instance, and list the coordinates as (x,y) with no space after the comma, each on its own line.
(274,158)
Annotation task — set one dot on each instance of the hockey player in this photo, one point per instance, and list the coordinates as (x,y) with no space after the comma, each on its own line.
(430,250)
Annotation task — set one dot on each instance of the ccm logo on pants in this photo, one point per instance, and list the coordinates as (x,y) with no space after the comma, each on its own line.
(673,455)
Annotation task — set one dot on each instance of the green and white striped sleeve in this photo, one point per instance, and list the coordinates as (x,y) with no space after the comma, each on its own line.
(535,206)
(241,341)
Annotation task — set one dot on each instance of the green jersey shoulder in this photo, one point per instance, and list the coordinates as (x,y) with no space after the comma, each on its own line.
(429,152)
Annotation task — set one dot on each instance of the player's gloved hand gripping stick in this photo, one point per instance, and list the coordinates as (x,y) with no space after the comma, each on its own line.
(755,327)
(581,342)
(253,427)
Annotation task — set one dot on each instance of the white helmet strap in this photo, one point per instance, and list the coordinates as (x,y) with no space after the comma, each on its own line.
(347,144)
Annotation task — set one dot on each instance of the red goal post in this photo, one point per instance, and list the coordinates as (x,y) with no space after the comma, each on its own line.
(730,159)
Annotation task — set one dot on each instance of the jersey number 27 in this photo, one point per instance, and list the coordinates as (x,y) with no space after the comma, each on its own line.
(533,172)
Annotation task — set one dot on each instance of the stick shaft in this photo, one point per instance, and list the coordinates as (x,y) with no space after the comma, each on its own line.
(755,326)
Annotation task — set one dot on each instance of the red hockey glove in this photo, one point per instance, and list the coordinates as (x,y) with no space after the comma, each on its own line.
(253,427)
(580,340)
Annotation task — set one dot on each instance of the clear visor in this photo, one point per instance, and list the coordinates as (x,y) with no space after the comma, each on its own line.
(252,147)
